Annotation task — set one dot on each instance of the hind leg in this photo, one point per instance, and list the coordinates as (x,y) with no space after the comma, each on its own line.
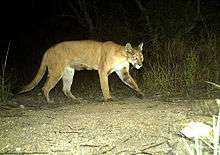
(50,83)
(67,81)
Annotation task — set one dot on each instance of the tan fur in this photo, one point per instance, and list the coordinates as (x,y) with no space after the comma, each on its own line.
(64,58)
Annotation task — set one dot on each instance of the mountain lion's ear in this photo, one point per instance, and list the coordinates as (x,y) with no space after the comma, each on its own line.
(140,46)
(128,47)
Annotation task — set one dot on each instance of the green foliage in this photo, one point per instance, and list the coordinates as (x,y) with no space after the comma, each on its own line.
(5,90)
(177,64)
(190,69)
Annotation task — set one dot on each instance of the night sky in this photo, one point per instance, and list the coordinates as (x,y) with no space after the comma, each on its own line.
(28,17)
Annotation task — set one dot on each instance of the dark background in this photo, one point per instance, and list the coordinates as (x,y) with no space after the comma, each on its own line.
(32,26)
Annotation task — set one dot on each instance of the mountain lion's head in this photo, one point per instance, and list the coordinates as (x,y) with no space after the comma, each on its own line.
(135,56)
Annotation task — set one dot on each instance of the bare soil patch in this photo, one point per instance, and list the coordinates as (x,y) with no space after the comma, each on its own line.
(125,126)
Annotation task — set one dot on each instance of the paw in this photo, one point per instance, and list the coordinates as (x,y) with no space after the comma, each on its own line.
(108,99)
(50,101)
(140,95)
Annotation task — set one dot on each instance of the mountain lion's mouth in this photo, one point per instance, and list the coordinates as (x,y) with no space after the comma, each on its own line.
(137,66)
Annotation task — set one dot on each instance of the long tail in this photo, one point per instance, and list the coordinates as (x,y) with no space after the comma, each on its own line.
(214,84)
(37,78)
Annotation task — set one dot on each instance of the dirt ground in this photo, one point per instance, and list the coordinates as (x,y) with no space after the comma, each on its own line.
(127,125)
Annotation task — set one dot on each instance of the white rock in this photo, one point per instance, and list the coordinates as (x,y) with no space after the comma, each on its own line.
(18,149)
(22,106)
(196,129)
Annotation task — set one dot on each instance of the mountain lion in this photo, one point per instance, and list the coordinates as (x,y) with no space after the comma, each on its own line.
(63,59)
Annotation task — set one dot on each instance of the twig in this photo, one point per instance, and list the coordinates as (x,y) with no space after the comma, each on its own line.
(126,139)
(108,150)
(88,145)
(206,143)
(133,152)
(68,132)
(50,117)
(5,153)
(189,149)
(70,127)
(154,145)
(74,9)
(140,6)
(214,84)
(6,58)
(143,152)
(216,135)
(3,71)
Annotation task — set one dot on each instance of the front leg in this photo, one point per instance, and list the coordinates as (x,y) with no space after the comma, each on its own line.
(125,76)
(104,85)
